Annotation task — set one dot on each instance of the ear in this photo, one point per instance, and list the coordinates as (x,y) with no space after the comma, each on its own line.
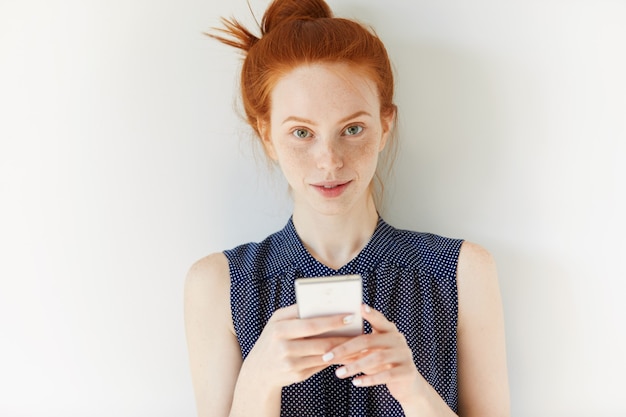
(387,120)
(263,129)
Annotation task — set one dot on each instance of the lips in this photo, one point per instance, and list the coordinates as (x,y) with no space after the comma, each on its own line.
(331,189)
(330,184)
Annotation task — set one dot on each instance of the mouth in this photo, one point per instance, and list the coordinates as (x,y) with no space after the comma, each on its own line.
(331,188)
(330,184)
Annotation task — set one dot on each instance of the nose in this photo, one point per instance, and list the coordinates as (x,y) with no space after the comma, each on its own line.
(330,155)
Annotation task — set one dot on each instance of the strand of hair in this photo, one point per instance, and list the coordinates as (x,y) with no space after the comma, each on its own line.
(236,35)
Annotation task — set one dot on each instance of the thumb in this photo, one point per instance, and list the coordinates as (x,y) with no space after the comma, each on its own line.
(377,320)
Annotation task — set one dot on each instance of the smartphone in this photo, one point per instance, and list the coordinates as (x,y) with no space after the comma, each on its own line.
(325,296)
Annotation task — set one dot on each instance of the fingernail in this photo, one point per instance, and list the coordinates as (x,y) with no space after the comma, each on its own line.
(328,356)
(341,372)
(368,309)
(348,319)
(357,382)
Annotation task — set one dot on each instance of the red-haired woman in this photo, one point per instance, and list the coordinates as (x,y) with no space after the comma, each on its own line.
(318,91)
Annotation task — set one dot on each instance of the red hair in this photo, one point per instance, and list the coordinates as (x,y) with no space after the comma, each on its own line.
(298,32)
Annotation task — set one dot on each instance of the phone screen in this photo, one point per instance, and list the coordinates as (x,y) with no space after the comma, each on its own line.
(325,296)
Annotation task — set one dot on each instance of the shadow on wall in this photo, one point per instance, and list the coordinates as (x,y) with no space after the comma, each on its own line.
(458,162)
(485,153)
(542,327)
(463,170)
(460,172)
(450,131)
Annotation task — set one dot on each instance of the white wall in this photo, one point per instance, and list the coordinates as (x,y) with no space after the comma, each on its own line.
(121,162)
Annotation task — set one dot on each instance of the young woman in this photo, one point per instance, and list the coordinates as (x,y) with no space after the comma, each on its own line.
(318,91)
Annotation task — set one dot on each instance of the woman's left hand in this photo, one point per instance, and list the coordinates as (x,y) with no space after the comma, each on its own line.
(383,357)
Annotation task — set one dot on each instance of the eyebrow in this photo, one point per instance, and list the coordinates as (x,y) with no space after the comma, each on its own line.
(344,120)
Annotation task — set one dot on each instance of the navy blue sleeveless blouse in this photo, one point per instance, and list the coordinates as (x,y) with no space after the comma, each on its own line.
(410,277)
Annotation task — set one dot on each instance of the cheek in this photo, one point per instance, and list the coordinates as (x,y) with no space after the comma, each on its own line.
(292,159)
(364,155)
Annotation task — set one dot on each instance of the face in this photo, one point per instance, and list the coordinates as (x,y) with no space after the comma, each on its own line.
(325,132)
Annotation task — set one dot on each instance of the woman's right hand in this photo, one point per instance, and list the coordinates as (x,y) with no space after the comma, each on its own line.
(288,350)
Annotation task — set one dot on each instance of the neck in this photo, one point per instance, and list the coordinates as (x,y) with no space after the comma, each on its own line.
(336,239)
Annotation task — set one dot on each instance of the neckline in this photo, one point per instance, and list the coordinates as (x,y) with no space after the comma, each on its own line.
(367,259)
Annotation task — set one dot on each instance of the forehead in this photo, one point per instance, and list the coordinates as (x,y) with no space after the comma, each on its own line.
(324,88)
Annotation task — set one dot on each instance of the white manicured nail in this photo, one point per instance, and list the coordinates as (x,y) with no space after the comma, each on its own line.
(341,372)
(357,382)
(328,356)
(348,319)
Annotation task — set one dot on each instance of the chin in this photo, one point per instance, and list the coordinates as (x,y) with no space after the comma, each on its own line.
(338,207)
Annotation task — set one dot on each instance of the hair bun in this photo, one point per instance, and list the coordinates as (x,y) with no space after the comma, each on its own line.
(281,11)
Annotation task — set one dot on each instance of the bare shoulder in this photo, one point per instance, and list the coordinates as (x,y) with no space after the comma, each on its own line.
(207,285)
(483,380)
(208,270)
(475,261)
(476,274)
(477,282)
(211,341)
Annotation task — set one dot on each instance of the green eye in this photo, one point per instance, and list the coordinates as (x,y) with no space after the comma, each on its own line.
(353,130)
(301,133)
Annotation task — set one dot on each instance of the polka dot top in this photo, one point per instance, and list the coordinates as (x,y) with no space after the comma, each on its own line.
(410,277)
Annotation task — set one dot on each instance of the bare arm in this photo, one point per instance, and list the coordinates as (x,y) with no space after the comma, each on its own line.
(483,380)
(284,354)
(483,385)
(214,353)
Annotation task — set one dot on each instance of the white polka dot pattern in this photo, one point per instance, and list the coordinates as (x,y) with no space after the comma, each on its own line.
(409,276)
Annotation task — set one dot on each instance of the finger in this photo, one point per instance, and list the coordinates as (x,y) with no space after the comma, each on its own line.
(377,320)
(285,313)
(373,363)
(379,378)
(309,372)
(301,364)
(316,346)
(315,326)
(359,346)
(301,368)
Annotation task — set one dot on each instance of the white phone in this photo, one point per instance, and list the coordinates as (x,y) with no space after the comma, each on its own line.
(325,296)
